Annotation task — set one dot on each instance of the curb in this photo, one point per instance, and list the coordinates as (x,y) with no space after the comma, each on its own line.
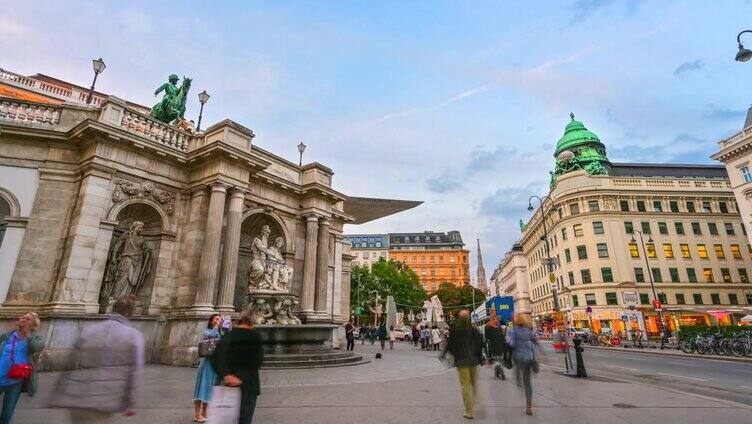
(678,354)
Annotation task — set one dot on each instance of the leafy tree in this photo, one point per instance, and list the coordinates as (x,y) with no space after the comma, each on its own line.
(454,298)
(386,278)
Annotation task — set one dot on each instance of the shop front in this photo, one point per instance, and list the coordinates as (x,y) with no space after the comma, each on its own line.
(609,320)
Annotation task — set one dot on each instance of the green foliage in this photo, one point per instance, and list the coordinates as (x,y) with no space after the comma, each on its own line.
(454,298)
(386,278)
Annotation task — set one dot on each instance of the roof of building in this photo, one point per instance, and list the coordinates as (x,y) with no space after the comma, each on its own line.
(575,135)
(426,239)
(365,209)
(667,170)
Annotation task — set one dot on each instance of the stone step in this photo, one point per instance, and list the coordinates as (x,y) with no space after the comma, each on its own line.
(321,362)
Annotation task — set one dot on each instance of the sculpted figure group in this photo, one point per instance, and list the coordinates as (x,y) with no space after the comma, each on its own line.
(268,270)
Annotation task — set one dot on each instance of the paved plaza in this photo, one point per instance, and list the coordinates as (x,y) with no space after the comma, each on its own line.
(411,386)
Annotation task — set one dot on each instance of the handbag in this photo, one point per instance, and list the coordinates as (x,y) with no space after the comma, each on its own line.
(207,347)
(17,371)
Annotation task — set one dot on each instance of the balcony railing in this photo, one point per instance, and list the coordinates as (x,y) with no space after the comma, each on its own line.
(29,113)
(156,131)
(741,135)
(74,95)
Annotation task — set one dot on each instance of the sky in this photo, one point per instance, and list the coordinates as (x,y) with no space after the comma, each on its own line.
(457,104)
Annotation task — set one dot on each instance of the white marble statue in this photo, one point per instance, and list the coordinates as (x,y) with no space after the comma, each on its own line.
(268,270)
(279,272)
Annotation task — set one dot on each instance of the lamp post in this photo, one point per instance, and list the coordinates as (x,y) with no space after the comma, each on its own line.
(743,54)
(98,65)
(203,97)
(301,149)
(652,283)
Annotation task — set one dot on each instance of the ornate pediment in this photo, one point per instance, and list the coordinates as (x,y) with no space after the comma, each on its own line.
(125,189)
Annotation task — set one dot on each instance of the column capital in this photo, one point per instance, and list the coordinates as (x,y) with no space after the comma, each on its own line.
(325,220)
(218,186)
(236,191)
(312,217)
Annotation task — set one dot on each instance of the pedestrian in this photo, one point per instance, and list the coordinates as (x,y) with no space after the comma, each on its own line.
(465,345)
(372,335)
(425,337)
(382,335)
(106,369)
(19,351)
(206,378)
(435,337)
(363,332)
(496,346)
(415,335)
(392,337)
(350,335)
(523,343)
(237,360)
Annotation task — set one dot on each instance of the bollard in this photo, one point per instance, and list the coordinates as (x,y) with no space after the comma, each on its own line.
(578,354)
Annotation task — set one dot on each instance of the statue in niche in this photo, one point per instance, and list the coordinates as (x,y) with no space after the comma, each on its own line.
(284,312)
(268,270)
(278,271)
(129,265)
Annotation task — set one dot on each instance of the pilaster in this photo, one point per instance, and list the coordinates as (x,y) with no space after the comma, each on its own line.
(208,273)
(231,251)
(308,292)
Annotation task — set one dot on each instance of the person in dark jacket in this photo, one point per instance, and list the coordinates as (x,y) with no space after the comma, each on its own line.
(465,344)
(382,334)
(496,346)
(237,360)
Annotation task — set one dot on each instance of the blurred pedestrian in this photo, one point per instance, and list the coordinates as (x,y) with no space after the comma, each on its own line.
(465,345)
(415,335)
(496,346)
(392,336)
(435,337)
(19,351)
(425,337)
(372,335)
(350,335)
(523,343)
(106,369)
(363,332)
(237,360)
(382,334)
(206,378)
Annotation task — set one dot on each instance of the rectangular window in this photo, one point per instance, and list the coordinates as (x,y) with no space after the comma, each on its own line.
(706,207)
(697,298)
(657,277)
(645,227)
(628,227)
(598,227)
(679,226)
(662,228)
(686,254)
(668,251)
(581,252)
(708,274)
(602,250)
(719,251)
(651,251)
(624,205)
(736,252)
(570,274)
(729,228)
(702,252)
(608,276)
(662,297)
(590,299)
(585,274)
(673,205)
(574,208)
(691,275)
(713,228)
(696,229)
(691,207)
(593,205)
(733,300)
(567,255)
(633,251)
(639,275)
(743,275)
(748,296)
(563,233)
(641,206)
(575,300)
(680,299)
(611,298)
(657,206)
(722,207)
(715,298)
(644,299)
(577,230)
(746,174)
(674,273)
(726,274)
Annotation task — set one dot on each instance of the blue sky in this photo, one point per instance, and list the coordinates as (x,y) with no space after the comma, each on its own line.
(458,104)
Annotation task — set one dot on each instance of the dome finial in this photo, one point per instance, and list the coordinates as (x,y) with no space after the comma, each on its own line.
(571,115)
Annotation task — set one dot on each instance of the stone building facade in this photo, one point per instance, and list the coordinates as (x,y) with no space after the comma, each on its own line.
(694,238)
(510,279)
(74,178)
(368,249)
(435,257)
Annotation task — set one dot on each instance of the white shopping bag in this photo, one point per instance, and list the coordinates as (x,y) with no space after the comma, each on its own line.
(225,405)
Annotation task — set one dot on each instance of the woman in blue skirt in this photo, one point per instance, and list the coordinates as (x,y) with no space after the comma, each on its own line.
(206,376)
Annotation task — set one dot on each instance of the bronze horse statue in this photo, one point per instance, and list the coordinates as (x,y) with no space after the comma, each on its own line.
(172,105)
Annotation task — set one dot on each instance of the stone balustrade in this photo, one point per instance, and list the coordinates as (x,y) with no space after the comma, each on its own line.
(154,130)
(66,94)
(736,138)
(29,113)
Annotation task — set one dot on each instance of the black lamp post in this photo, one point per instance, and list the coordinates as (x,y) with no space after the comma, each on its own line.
(203,97)
(652,283)
(301,149)
(98,65)
(743,54)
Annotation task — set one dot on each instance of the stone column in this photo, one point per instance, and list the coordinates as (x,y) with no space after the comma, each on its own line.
(208,271)
(308,291)
(322,268)
(231,252)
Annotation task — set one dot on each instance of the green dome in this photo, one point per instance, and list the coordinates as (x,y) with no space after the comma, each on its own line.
(575,135)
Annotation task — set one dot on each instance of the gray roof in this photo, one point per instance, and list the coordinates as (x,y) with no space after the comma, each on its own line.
(668,170)
(426,239)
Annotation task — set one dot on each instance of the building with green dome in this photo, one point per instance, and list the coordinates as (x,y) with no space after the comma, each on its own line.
(579,148)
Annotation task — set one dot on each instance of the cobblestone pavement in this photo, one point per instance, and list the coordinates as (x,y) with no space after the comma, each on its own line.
(411,386)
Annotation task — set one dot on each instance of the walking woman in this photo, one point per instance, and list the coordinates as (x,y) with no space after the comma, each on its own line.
(392,337)
(523,343)
(19,350)
(435,337)
(381,332)
(205,377)
(465,345)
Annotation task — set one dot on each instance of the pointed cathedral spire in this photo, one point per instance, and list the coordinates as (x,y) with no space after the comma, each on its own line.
(481,279)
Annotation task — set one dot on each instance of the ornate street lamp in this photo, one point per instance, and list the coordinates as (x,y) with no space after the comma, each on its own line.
(301,149)
(664,335)
(203,97)
(743,54)
(98,65)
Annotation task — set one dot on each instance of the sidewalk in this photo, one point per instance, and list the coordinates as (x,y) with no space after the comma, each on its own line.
(409,385)
(672,352)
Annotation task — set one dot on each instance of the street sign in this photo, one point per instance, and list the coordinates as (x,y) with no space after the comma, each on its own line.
(589,310)
(657,306)
(561,321)
(551,278)
(630,298)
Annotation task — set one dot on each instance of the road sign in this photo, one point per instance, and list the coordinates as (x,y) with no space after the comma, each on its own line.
(561,321)
(589,310)
(551,278)
(657,306)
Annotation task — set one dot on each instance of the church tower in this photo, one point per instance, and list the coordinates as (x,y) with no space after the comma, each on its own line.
(481,278)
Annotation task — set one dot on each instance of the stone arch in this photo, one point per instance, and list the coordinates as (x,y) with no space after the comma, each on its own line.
(117,209)
(13,206)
